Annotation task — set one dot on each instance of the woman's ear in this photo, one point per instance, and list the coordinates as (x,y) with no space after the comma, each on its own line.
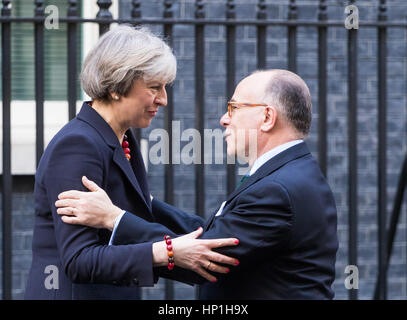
(270,118)
(114,96)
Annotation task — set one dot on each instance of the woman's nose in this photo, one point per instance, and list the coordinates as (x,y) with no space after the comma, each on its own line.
(161,98)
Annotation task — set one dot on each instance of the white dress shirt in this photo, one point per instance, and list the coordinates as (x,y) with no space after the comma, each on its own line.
(262,160)
(270,154)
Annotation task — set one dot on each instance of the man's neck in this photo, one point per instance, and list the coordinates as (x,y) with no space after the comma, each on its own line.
(272,153)
(271,143)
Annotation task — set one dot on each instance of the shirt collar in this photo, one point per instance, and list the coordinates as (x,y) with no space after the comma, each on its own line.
(272,153)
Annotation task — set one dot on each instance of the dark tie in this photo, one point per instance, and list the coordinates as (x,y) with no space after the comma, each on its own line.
(243,179)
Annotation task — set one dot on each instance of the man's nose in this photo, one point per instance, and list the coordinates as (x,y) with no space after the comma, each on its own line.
(224,120)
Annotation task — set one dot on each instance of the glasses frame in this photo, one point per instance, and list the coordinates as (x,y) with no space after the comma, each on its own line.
(232,104)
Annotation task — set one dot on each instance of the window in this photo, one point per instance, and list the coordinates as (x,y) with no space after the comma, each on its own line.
(55,54)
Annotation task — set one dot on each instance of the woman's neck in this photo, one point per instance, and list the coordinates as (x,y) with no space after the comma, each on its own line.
(106,111)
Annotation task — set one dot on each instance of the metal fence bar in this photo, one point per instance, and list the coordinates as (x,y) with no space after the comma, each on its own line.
(168,117)
(72,58)
(136,11)
(322,88)
(105,15)
(248,22)
(352,149)
(6,194)
(292,37)
(261,36)
(136,14)
(39,79)
(230,85)
(395,217)
(199,107)
(382,127)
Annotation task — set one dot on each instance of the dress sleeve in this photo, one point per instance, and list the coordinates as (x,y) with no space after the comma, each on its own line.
(84,258)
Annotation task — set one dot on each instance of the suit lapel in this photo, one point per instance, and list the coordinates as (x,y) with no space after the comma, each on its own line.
(90,116)
(138,168)
(122,162)
(209,223)
(266,169)
(272,165)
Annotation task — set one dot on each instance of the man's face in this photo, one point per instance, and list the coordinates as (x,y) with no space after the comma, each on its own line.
(242,126)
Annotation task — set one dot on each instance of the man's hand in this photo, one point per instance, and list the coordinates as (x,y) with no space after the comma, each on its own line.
(92,209)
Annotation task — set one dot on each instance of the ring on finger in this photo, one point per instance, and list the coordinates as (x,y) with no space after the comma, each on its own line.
(207,267)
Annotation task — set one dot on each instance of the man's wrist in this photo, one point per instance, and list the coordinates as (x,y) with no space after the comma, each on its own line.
(116,213)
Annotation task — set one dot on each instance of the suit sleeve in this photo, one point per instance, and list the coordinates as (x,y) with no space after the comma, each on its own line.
(172,221)
(84,257)
(261,218)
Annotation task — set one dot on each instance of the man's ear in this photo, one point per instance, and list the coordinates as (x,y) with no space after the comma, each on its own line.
(269,120)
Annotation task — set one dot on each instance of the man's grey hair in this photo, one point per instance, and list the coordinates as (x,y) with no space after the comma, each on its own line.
(123,55)
(292,97)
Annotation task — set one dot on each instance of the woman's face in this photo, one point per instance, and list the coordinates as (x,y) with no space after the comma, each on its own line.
(141,104)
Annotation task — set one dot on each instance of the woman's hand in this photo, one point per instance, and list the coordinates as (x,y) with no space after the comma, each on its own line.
(196,254)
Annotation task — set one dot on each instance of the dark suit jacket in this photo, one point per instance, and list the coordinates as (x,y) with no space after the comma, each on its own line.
(88,267)
(285,218)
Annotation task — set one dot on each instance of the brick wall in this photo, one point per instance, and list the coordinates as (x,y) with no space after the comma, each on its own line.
(215,91)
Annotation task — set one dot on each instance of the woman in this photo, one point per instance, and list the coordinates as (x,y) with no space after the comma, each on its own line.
(125,75)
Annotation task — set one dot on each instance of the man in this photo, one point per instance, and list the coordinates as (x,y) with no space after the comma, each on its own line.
(284,213)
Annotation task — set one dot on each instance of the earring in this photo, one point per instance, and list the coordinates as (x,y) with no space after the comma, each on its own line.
(116,97)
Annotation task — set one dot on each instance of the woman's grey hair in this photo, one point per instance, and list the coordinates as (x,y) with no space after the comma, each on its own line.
(123,55)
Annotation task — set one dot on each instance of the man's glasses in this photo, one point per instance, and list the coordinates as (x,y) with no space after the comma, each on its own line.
(232,105)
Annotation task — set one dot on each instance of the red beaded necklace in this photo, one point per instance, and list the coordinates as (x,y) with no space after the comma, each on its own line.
(125,146)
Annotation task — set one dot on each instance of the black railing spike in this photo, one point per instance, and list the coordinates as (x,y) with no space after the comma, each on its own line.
(292,10)
(199,9)
(382,16)
(73,8)
(136,11)
(6,10)
(230,9)
(292,38)
(261,9)
(168,10)
(104,9)
(322,10)
(39,8)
